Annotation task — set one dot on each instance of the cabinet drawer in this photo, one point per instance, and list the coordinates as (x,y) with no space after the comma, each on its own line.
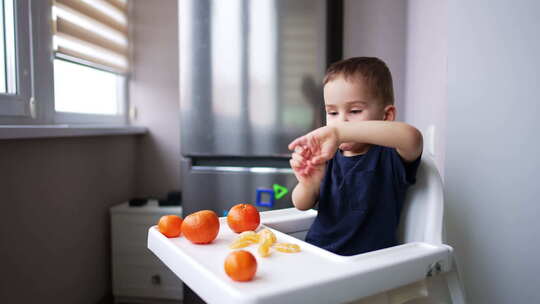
(130,227)
(136,272)
(133,247)
(146,281)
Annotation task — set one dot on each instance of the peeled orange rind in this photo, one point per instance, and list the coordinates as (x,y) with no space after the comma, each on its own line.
(264,248)
(245,239)
(287,247)
(266,240)
(266,233)
(250,236)
(239,244)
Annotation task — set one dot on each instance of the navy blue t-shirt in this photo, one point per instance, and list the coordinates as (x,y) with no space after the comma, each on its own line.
(360,201)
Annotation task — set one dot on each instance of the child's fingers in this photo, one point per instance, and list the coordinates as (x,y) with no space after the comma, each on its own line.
(308,169)
(303,152)
(306,153)
(296,164)
(293,144)
(293,164)
(326,153)
(297,157)
(298,168)
(297,142)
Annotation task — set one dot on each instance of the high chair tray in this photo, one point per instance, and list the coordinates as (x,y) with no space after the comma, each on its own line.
(313,275)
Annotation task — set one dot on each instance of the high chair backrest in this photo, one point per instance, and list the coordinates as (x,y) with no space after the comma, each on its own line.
(422,214)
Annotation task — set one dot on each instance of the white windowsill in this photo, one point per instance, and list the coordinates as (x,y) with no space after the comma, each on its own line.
(51,131)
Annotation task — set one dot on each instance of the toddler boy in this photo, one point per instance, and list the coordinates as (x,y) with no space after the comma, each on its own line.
(359,166)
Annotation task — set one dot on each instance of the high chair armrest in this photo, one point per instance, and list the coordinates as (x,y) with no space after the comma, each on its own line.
(288,220)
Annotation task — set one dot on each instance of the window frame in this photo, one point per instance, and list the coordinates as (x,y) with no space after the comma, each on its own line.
(20,103)
(37,107)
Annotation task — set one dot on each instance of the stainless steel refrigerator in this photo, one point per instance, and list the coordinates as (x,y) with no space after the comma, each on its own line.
(251,76)
(250,82)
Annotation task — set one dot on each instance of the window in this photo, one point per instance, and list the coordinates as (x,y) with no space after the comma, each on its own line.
(102,89)
(81,79)
(91,46)
(7,48)
(15,80)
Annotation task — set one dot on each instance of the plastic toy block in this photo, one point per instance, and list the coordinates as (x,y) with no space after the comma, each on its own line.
(280,191)
(260,202)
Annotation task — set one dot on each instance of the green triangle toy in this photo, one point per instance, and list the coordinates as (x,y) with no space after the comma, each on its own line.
(280,191)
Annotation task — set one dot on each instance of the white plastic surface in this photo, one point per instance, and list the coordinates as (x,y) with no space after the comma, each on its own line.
(315,275)
(422,214)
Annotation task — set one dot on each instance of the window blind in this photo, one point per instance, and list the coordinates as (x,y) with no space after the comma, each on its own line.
(92,31)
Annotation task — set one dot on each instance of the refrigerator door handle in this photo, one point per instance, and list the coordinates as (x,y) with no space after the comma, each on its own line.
(242,169)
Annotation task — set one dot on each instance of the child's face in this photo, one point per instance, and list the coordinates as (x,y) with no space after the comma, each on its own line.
(349,100)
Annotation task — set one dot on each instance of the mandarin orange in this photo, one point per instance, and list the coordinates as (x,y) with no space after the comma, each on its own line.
(240,265)
(243,217)
(170,225)
(201,227)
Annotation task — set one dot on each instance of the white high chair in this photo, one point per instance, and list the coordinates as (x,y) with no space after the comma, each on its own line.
(420,270)
(422,220)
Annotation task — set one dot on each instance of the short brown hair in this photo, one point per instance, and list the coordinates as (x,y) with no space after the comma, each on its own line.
(372,70)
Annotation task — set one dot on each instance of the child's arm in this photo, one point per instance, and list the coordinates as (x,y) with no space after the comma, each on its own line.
(406,139)
(306,192)
(304,197)
(323,142)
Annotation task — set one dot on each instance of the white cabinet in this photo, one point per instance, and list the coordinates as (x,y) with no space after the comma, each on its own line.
(138,275)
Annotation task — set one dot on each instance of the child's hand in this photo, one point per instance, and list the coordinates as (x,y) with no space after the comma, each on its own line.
(322,144)
(306,173)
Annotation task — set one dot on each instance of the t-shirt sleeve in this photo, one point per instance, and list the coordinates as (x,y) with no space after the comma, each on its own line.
(404,172)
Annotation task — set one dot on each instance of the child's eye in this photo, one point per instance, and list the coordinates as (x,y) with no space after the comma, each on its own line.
(332,113)
(356,111)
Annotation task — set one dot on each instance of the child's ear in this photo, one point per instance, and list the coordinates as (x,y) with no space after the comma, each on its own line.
(389,113)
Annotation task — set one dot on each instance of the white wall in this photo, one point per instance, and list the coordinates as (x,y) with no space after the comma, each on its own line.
(426,73)
(411,37)
(154,91)
(378,29)
(493,148)
(469,68)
